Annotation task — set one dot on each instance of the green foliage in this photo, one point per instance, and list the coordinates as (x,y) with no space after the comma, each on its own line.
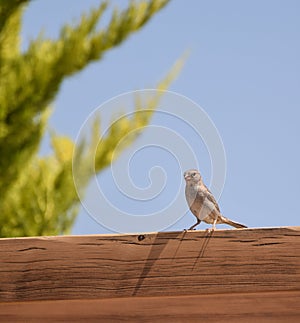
(37,194)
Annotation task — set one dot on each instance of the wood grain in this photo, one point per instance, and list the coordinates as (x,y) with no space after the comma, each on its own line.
(150,264)
(237,307)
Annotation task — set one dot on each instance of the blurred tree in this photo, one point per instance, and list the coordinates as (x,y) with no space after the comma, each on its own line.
(37,194)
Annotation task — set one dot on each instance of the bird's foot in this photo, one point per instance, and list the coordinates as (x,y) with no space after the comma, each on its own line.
(189,229)
(211,230)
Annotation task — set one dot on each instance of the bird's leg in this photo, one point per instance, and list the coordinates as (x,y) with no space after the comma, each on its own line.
(214,225)
(213,228)
(193,226)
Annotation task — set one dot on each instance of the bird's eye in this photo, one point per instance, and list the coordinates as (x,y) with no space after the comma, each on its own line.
(194,174)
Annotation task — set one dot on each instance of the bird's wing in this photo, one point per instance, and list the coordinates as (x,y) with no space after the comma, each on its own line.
(210,197)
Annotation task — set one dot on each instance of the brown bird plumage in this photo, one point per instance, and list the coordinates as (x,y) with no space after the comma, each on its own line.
(202,203)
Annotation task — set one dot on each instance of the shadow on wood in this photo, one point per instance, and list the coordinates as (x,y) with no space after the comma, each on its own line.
(165,268)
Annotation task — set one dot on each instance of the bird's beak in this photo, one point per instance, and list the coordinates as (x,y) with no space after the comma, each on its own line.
(187,177)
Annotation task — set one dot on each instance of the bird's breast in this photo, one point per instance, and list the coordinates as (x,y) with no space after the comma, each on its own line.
(193,195)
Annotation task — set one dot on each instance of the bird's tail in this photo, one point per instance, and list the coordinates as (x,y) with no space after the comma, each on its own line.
(234,224)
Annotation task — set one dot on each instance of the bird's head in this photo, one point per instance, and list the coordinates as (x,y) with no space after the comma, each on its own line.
(192,176)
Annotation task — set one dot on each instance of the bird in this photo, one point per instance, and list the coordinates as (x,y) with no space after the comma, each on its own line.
(202,202)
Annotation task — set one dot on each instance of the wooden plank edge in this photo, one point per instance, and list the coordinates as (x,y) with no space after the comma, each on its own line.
(235,307)
(134,234)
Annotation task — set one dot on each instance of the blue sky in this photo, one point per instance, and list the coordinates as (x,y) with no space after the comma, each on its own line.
(243,70)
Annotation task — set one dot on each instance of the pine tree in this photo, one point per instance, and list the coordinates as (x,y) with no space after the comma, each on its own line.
(37,193)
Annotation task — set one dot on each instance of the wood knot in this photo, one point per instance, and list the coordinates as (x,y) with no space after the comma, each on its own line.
(141,237)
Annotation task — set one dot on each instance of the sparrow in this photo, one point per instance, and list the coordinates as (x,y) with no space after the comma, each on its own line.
(202,203)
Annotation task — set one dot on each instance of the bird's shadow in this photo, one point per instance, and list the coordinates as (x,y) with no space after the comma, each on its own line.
(206,239)
(159,244)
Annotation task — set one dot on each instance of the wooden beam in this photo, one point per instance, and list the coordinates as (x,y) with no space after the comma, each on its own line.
(150,264)
(237,307)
